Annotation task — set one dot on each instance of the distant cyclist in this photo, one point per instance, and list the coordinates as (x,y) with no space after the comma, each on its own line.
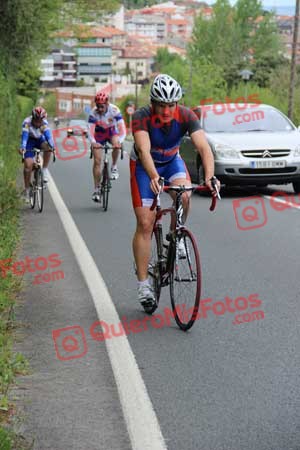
(158,130)
(105,124)
(56,121)
(36,133)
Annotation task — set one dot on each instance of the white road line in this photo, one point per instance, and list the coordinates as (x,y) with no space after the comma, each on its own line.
(140,417)
(278,200)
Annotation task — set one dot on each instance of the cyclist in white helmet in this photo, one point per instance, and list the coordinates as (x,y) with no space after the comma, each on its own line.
(158,130)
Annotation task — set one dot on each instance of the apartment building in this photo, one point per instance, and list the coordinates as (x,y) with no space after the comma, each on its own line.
(84,34)
(135,61)
(153,26)
(59,68)
(94,63)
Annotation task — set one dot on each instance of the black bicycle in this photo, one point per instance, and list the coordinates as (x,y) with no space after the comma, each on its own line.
(37,184)
(105,185)
(175,260)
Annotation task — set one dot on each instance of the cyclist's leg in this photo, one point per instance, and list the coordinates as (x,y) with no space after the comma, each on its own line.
(176,173)
(97,154)
(28,165)
(114,139)
(44,146)
(28,161)
(116,151)
(142,198)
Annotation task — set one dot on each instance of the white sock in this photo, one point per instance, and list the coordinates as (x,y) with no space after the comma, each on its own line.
(143,283)
(114,166)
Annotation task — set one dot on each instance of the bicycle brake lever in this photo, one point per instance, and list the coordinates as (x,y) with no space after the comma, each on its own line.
(215,186)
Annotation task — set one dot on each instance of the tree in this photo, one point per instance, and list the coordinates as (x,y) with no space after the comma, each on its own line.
(200,79)
(26,28)
(236,38)
(27,79)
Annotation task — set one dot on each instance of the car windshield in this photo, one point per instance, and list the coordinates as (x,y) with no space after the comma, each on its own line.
(236,118)
(82,123)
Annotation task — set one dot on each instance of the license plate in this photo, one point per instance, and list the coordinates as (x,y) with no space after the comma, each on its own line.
(267,164)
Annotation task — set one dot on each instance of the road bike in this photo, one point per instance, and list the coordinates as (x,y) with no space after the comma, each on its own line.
(37,184)
(175,260)
(105,185)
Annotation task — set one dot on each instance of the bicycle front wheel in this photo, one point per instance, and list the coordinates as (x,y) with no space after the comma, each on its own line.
(105,187)
(33,193)
(185,280)
(39,188)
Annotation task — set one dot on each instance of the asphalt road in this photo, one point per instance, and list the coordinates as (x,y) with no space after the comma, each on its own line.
(220,386)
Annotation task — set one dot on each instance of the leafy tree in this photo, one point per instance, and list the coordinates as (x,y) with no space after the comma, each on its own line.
(27,79)
(199,78)
(236,38)
(26,27)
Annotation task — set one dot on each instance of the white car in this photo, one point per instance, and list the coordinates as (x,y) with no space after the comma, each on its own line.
(253,145)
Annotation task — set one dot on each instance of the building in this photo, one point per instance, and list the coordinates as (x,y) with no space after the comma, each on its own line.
(135,61)
(94,63)
(72,102)
(77,101)
(152,26)
(85,34)
(59,69)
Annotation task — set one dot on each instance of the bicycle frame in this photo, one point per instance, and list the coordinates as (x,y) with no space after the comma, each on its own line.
(37,183)
(166,262)
(105,184)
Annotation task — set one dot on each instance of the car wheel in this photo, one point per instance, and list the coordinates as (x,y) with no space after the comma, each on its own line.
(296,186)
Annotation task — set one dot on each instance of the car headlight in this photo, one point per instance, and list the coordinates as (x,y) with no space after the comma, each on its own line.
(226,152)
(297,151)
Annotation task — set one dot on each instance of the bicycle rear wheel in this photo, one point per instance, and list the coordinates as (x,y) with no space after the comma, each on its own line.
(39,188)
(105,186)
(185,281)
(154,272)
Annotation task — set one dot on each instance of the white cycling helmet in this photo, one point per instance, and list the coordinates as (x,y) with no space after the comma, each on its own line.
(165,89)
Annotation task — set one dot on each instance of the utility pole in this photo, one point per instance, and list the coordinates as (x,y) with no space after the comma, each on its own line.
(190,82)
(293,62)
(136,85)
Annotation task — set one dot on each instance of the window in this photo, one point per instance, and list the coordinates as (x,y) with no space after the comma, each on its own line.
(63,105)
(77,104)
(94,51)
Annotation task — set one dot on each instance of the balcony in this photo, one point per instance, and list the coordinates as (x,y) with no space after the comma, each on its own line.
(69,78)
(94,70)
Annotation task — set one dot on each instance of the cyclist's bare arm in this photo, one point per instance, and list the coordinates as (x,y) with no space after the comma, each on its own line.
(143,147)
(200,142)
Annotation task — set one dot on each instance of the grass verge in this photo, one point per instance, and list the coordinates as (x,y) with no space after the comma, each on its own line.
(12,112)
